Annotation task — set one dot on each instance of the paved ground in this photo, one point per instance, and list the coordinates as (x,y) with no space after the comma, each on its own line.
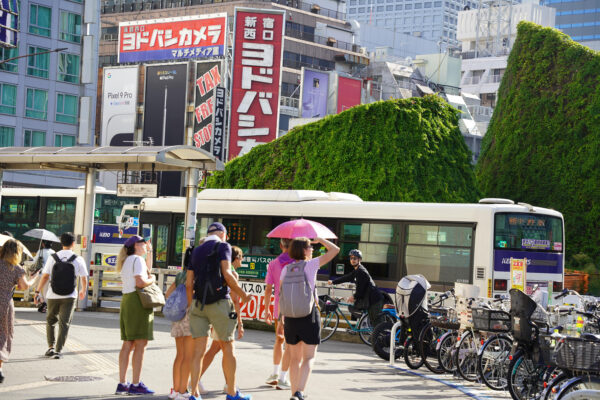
(89,368)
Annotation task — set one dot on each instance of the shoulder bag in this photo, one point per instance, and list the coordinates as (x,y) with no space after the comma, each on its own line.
(151,296)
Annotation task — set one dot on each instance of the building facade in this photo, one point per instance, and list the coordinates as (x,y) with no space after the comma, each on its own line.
(578,19)
(47,98)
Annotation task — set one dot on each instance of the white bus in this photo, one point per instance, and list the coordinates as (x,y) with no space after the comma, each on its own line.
(61,210)
(447,243)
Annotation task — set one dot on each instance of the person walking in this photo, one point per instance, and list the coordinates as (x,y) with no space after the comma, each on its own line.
(209,284)
(62,270)
(367,296)
(137,322)
(236,262)
(42,256)
(281,356)
(11,274)
(303,334)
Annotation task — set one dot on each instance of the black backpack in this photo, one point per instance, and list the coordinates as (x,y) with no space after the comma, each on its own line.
(209,285)
(187,257)
(63,280)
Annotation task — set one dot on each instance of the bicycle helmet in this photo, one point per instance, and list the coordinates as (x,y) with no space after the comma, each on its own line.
(355,253)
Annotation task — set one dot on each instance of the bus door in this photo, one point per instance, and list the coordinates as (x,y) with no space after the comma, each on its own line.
(159,227)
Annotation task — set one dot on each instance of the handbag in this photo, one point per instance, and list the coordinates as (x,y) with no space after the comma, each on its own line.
(151,296)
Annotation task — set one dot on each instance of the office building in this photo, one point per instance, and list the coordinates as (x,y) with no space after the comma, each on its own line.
(47,98)
(578,19)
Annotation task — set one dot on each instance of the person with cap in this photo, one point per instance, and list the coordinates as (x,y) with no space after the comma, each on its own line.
(136,322)
(367,296)
(61,307)
(208,285)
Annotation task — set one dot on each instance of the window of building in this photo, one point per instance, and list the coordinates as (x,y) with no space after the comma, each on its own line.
(352,10)
(61,140)
(36,105)
(408,7)
(68,68)
(380,1)
(437,4)
(8,99)
(66,108)
(38,65)
(361,10)
(418,21)
(418,6)
(427,5)
(70,27)
(7,137)
(352,2)
(399,7)
(389,8)
(34,138)
(427,19)
(40,20)
(9,66)
(380,8)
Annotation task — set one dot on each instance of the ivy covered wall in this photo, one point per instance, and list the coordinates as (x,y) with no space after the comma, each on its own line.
(543,142)
(396,150)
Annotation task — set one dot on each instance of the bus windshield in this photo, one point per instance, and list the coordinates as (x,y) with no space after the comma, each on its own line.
(517,231)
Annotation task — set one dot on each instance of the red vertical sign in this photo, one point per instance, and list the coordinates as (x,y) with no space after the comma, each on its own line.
(349,93)
(257,56)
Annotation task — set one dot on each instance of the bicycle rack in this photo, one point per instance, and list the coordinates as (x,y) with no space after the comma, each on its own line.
(393,342)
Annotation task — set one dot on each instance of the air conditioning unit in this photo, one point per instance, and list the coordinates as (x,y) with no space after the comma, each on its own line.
(363,51)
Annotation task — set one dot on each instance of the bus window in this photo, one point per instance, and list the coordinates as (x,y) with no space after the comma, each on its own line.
(377,242)
(162,241)
(19,214)
(179,228)
(108,208)
(514,231)
(439,253)
(60,215)
(238,233)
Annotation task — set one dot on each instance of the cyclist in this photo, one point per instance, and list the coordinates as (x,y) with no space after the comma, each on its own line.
(367,295)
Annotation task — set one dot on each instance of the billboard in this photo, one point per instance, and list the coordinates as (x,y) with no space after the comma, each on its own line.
(165,99)
(349,93)
(208,77)
(198,36)
(9,23)
(313,94)
(257,58)
(119,98)
(218,149)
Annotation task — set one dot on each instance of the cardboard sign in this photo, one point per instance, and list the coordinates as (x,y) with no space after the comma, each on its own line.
(518,271)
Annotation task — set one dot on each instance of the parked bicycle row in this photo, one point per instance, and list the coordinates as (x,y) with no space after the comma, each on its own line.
(517,343)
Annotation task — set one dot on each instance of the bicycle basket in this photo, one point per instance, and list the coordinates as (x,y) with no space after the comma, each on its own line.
(327,304)
(491,320)
(443,317)
(574,353)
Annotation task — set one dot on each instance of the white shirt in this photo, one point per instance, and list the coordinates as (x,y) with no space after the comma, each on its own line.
(80,270)
(45,254)
(132,267)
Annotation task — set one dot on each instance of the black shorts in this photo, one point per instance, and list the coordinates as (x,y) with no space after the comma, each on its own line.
(303,329)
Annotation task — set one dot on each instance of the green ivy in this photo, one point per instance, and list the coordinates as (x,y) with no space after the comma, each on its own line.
(543,142)
(396,150)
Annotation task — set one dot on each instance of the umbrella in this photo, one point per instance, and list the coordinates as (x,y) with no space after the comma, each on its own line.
(4,238)
(42,234)
(301,228)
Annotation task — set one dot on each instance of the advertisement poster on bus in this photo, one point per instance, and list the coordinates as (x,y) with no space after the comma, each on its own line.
(119,98)
(208,78)
(255,308)
(254,266)
(257,59)
(172,39)
(348,92)
(518,272)
(313,94)
(165,103)
(537,262)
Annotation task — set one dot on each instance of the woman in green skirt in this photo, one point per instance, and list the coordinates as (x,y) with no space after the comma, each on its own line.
(136,321)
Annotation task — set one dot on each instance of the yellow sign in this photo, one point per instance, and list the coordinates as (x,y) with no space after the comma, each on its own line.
(518,271)
(109,260)
(489,289)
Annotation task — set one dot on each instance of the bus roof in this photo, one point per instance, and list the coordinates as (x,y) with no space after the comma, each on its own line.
(274,195)
(228,202)
(51,192)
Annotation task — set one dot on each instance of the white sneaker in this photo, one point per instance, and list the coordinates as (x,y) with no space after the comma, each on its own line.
(272,379)
(201,388)
(283,385)
(173,394)
(187,396)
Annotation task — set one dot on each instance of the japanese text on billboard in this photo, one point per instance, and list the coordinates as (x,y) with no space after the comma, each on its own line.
(208,77)
(256,79)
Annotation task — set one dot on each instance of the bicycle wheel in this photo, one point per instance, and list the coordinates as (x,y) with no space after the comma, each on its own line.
(365,330)
(465,357)
(329,324)
(492,363)
(446,350)
(381,340)
(551,390)
(525,380)
(428,348)
(584,394)
(412,355)
(587,383)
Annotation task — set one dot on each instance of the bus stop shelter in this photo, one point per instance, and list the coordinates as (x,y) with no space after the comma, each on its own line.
(89,160)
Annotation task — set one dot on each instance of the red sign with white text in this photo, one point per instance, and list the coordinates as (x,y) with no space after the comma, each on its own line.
(349,93)
(257,56)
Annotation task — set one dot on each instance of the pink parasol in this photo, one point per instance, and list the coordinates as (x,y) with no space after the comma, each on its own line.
(301,228)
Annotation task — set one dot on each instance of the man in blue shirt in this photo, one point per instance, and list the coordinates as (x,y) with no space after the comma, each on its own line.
(213,307)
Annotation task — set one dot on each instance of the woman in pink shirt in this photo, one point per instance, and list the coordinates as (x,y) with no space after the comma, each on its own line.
(303,334)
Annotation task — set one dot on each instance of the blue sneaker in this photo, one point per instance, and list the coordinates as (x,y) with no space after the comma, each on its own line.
(139,389)
(122,389)
(238,396)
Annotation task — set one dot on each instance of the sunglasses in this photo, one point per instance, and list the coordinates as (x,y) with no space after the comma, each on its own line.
(354,258)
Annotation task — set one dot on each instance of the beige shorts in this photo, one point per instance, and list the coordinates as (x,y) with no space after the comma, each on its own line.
(217,315)
(181,328)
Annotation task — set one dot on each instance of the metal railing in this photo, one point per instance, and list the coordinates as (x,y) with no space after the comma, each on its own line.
(289,102)
(119,6)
